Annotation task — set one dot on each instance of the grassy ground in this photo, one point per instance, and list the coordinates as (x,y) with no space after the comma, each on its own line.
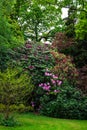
(35,122)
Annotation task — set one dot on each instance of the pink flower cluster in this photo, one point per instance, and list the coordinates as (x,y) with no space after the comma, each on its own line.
(47,74)
(45,86)
(54,78)
(52,85)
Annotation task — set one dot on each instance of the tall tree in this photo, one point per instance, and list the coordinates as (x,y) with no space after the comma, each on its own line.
(38,19)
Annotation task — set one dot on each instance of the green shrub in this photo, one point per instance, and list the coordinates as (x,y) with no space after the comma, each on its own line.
(15,87)
(9,122)
(69,103)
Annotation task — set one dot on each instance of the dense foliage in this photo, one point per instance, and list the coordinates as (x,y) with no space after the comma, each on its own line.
(15,86)
(64,67)
(69,102)
(48,77)
(10,33)
(33,58)
(36,59)
(4,57)
(76,49)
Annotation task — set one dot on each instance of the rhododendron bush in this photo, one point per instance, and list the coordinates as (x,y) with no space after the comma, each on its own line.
(54,75)
(69,103)
(64,67)
(50,86)
(34,58)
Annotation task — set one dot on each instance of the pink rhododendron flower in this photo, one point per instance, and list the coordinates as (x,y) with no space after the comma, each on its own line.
(60,82)
(45,86)
(40,85)
(47,74)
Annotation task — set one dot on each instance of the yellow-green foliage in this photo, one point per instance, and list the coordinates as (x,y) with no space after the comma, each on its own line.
(17,108)
(81,26)
(22,108)
(2,107)
(14,87)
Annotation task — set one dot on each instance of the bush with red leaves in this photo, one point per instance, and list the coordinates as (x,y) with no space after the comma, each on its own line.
(61,41)
(64,67)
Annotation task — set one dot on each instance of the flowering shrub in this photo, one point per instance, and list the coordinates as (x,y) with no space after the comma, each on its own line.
(48,70)
(68,103)
(64,67)
(51,86)
(34,58)
(51,83)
